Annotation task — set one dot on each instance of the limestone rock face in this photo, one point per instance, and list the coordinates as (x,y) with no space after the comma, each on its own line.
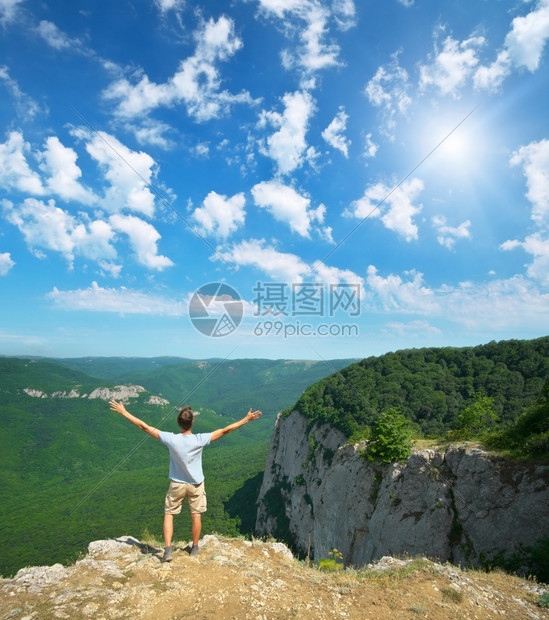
(460,504)
(120,392)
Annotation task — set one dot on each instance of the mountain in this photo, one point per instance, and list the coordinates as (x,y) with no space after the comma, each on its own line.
(113,368)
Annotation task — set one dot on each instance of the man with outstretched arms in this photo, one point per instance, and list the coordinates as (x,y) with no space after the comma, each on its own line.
(186,475)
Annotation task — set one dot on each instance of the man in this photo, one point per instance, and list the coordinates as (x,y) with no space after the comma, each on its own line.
(186,475)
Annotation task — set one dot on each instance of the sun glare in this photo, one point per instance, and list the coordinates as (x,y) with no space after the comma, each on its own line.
(454,149)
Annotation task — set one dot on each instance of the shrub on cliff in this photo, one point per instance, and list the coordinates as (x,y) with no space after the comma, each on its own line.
(475,419)
(391,438)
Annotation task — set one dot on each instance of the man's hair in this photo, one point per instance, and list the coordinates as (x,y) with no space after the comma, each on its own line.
(185,418)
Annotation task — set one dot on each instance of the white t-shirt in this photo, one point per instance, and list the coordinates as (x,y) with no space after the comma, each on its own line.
(185,455)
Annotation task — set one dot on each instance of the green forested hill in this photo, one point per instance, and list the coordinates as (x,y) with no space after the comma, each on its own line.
(431,386)
(229,388)
(44,375)
(113,368)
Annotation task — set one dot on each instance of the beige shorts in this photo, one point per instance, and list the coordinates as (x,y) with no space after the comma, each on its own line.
(178,491)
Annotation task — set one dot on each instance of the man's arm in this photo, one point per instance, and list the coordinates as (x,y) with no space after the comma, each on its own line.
(119,408)
(251,415)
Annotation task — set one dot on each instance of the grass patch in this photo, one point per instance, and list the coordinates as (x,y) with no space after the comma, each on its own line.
(451,595)
(394,574)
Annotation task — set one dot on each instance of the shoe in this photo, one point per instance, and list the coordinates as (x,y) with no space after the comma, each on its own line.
(167,557)
(194,551)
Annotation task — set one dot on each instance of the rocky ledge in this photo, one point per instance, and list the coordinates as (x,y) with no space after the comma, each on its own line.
(231,578)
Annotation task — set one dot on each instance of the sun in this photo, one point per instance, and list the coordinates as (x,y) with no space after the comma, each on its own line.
(452,143)
(456,146)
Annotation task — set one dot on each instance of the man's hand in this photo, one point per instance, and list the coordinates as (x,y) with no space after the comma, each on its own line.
(119,407)
(221,432)
(252,415)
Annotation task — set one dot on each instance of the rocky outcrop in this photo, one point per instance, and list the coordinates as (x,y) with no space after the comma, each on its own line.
(119,392)
(461,504)
(230,578)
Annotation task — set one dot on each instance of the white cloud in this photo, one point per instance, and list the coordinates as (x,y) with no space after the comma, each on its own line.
(484,306)
(47,227)
(523,47)
(538,247)
(152,132)
(8,10)
(451,66)
(15,172)
(397,210)
(122,301)
(314,52)
(344,13)
(283,266)
(394,294)
(370,147)
(93,240)
(53,36)
(197,83)
(288,145)
(170,5)
(127,171)
(388,90)
(33,342)
(6,263)
(528,36)
(334,275)
(59,162)
(491,77)
(534,159)
(326,233)
(110,268)
(514,302)
(25,105)
(334,133)
(143,238)
(288,206)
(278,265)
(448,235)
(202,149)
(219,215)
(413,328)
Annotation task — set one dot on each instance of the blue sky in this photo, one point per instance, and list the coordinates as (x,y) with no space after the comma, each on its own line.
(360,176)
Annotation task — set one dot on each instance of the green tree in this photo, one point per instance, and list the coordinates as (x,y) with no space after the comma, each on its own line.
(477,417)
(391,439)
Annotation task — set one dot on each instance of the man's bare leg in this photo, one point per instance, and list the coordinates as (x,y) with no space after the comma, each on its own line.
(196,527)
(168,530)
(168,534)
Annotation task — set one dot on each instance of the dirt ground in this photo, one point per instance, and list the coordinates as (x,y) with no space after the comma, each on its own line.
(258,580)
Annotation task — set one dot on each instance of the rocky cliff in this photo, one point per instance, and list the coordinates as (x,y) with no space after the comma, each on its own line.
(461,504)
